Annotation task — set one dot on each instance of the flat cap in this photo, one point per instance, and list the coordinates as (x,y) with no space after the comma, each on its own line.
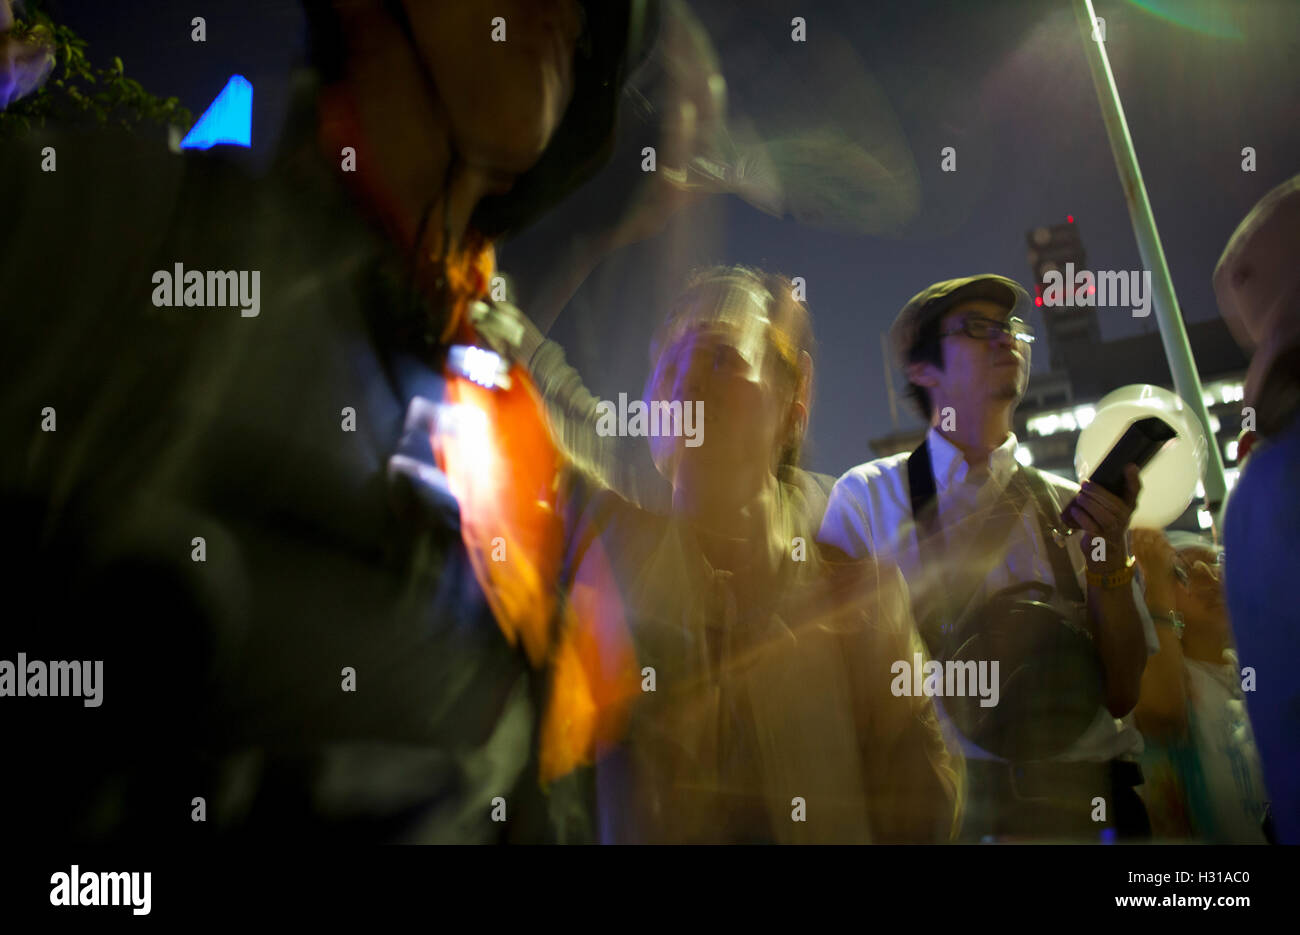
(934,301)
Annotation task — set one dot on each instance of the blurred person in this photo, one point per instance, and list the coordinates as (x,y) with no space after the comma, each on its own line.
(1203,777)
(992,579)
(771,661)
(1257,284)
(296,623)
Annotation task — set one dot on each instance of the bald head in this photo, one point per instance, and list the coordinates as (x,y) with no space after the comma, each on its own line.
(1257,283)
(1261,265)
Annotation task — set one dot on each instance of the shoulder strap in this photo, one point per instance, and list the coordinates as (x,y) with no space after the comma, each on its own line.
(931,607)
(943,606)
(921,489)
(1049,517)
(935,612)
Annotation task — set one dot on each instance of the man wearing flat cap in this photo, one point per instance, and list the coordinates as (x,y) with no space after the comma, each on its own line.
(1000,585)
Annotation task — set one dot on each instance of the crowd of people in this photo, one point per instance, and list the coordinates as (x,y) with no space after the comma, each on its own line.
(464,617)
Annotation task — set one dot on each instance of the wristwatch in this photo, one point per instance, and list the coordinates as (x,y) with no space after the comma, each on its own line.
(1108,581)
(1171,619)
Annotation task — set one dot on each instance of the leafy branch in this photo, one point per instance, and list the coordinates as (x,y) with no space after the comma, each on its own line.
(77,90)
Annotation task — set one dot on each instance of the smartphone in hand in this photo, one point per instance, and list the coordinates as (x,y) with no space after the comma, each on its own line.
(1140,443)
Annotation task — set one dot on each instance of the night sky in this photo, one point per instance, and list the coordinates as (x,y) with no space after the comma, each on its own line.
(1005,83)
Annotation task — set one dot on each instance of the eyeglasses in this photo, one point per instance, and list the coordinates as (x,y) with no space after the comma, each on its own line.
(981,329)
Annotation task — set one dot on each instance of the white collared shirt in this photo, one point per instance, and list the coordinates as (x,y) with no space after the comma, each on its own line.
(870,513)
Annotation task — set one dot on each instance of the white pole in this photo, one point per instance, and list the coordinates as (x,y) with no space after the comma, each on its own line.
(1173,335)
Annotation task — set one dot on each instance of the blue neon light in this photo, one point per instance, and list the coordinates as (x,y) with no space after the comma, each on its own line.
(228,119)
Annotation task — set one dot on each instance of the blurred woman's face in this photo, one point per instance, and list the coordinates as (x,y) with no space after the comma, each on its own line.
(504,99)
(726,369)
(1200,593)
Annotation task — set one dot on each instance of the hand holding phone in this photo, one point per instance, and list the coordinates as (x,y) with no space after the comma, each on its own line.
(1140,442)
(1100,515)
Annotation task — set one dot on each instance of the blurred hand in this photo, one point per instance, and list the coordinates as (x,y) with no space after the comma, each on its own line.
(1156,557)
(694,118)
(1101,514)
